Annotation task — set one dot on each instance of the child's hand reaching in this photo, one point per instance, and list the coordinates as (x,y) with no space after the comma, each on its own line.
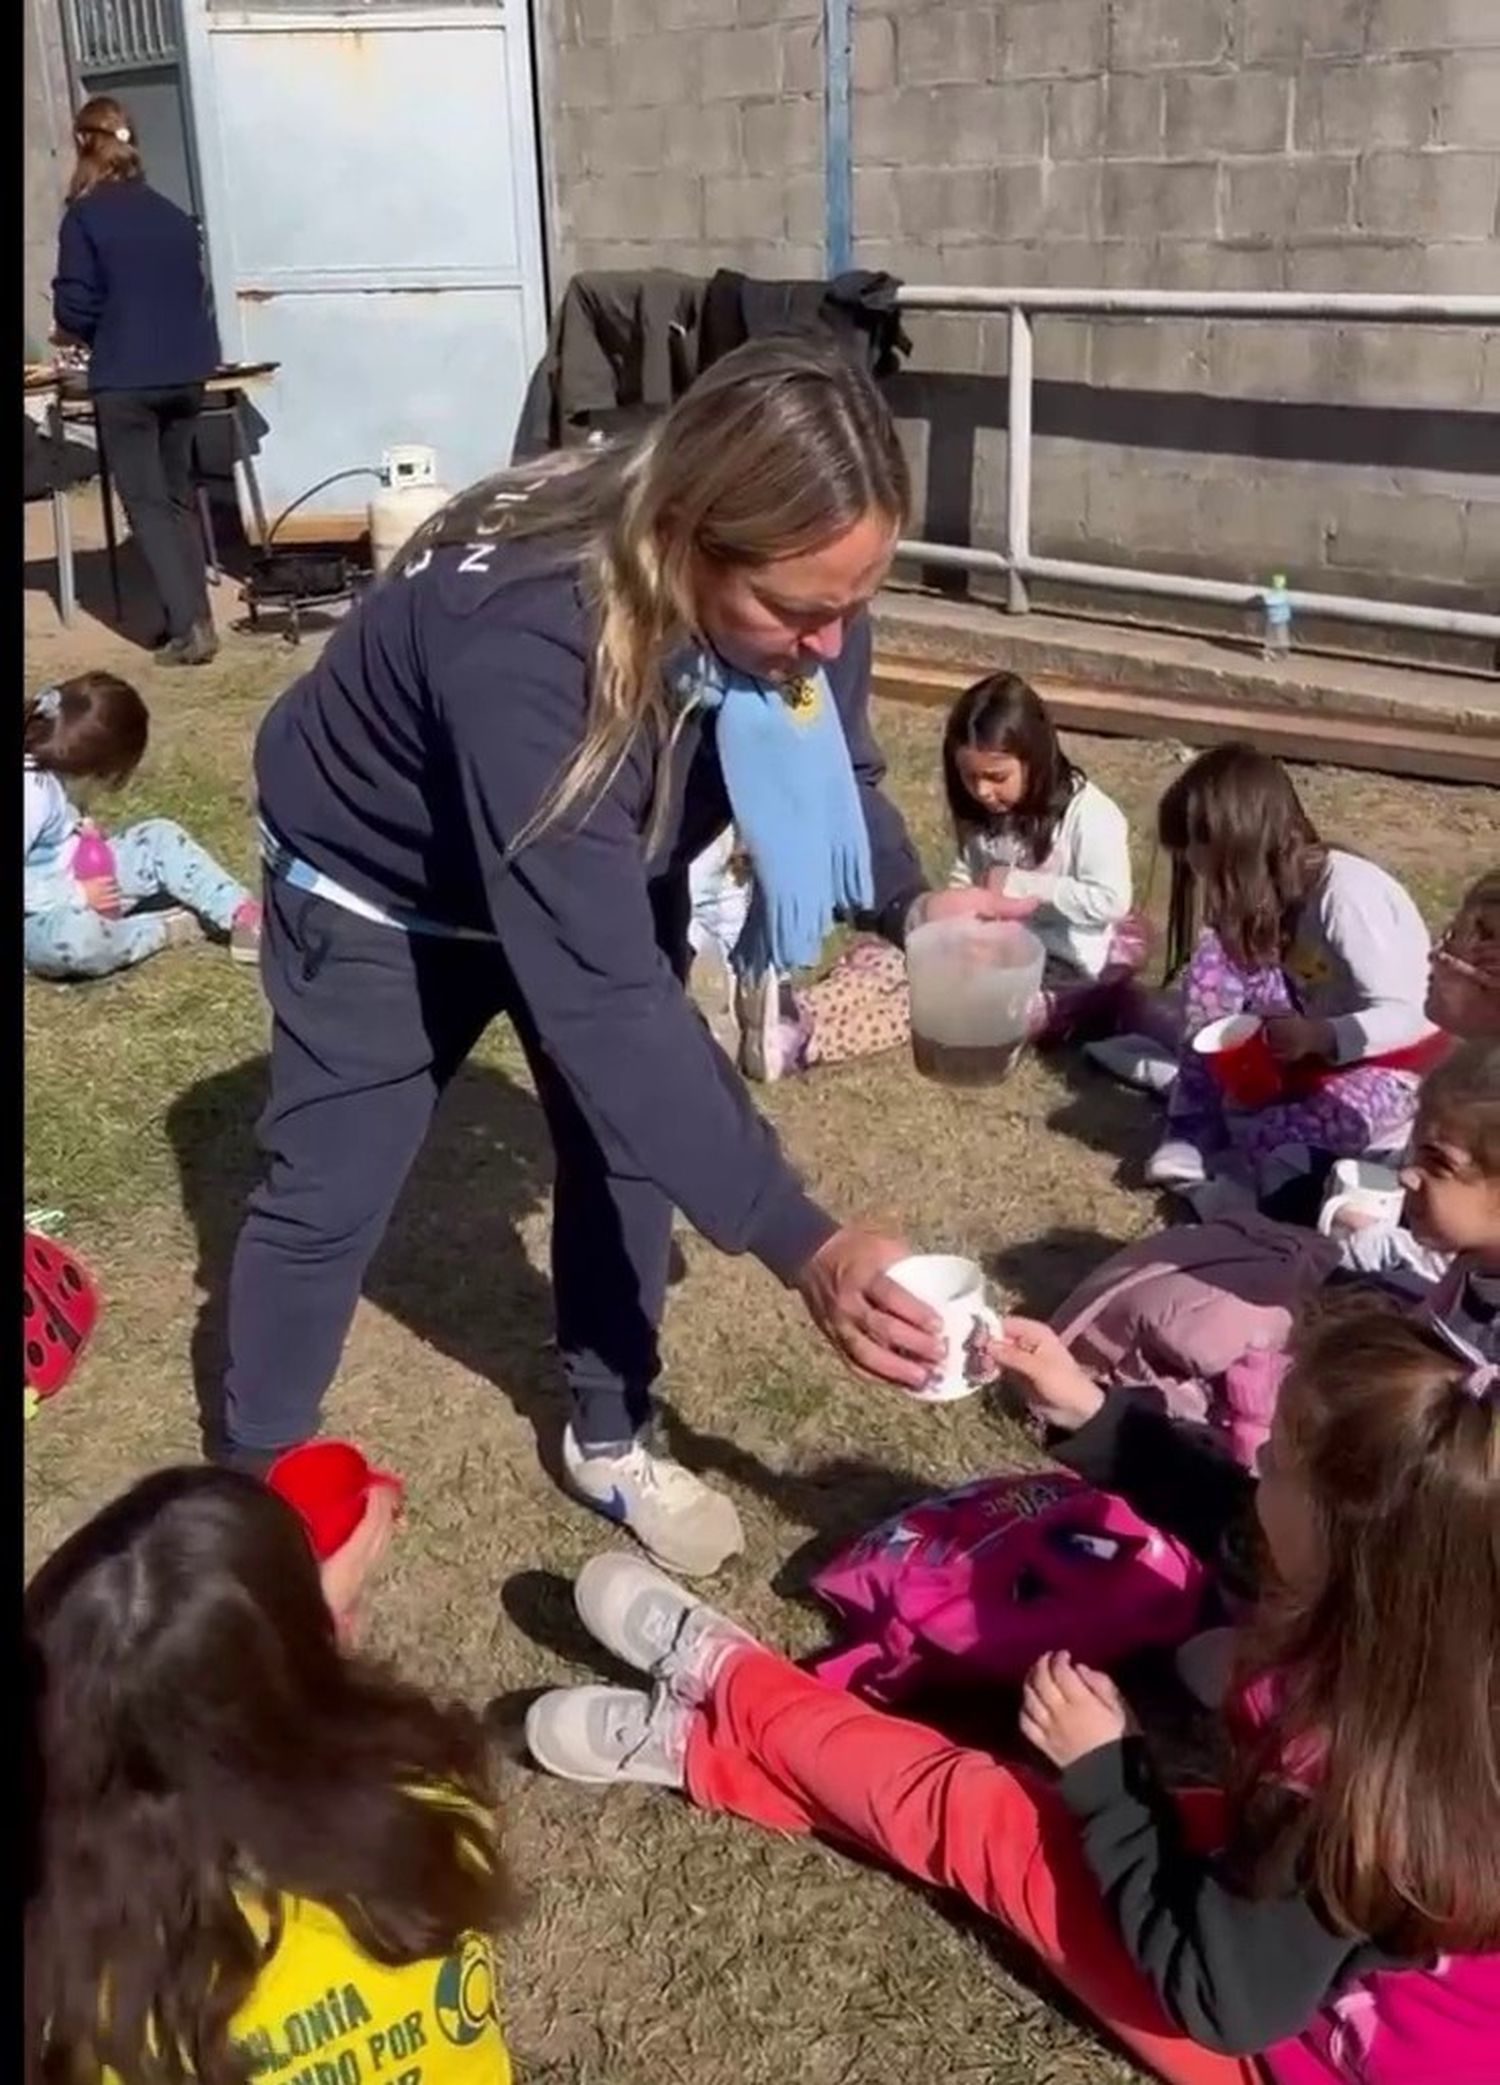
(1068,1710)
(1005,906)
(1057,1389)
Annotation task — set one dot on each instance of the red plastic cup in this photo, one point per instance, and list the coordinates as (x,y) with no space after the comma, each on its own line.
(1239,1060)
(328,1484)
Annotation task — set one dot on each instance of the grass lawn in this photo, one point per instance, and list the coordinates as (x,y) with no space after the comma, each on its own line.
(660,1946)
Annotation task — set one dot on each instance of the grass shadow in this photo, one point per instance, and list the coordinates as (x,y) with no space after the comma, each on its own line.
(453,1268)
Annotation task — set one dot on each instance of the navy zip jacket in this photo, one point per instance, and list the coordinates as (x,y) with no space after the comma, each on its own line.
(415,752)
(130,285)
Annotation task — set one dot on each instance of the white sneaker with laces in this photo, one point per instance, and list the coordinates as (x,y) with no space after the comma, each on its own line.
(606,1734)
(638,1613)
(677,1519)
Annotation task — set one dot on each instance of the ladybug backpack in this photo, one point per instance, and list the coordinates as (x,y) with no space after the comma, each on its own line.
(977,1583)
(59,1306)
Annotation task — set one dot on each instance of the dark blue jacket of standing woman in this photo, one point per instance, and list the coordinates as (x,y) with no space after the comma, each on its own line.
(416,751)
(130,286)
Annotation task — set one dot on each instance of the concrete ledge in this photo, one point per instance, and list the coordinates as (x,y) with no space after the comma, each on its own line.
(1161,684)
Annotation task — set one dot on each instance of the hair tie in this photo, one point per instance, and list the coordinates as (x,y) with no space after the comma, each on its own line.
(48,703)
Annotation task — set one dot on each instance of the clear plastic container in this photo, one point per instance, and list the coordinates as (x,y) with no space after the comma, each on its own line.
(972,987)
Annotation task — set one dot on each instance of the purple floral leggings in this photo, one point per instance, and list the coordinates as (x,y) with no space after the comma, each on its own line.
(1355,1110)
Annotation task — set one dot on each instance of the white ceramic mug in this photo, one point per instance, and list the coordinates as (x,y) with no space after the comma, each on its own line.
(955,1289)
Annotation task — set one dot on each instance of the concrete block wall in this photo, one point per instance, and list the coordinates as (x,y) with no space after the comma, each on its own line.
(47,161)
(1235,144)
(684,134)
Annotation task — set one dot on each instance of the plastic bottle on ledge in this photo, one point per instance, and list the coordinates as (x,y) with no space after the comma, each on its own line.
(93,858)
(1276,607)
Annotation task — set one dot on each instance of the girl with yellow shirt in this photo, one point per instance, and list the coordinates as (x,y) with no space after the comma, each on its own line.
(256,1855)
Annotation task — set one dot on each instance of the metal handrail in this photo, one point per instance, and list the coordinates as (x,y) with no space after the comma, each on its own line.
(1016,560)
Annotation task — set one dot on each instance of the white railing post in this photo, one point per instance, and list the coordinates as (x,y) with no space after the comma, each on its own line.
(1018,462)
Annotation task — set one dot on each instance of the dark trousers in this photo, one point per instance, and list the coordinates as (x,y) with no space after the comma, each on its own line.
(148,445)
(369,1025)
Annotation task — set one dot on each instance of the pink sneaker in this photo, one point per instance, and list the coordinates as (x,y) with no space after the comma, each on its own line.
(244,932)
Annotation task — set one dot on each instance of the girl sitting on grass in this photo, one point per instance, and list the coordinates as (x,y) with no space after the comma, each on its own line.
(1334,1917)
(1032,828)
(86,735)
(1325,946)
(249,1845)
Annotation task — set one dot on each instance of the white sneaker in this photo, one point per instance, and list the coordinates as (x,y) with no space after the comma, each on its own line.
(638,1613)
(677,1519)
(1135,1060)
(1176,1163)
(605,1734)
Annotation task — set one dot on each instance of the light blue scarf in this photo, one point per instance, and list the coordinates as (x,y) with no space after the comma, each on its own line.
(796,806)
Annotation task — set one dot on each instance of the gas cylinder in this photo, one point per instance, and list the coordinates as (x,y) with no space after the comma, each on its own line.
(409,493)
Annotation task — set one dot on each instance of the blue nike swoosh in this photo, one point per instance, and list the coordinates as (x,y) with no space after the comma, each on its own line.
(614,1507)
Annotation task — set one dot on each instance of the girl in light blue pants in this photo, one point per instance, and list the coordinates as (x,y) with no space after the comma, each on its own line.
(80,923)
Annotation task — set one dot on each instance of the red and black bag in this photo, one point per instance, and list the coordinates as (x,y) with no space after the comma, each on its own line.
(60,1307)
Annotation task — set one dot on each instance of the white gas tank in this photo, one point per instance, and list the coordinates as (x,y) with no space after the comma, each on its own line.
(408,495)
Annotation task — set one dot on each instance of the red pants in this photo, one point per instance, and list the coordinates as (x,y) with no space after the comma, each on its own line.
(778,1747)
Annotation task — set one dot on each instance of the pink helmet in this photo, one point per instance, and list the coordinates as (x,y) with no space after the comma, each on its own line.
(980,1581)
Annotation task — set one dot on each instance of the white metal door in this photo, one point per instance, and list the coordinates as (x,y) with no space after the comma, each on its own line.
(373,225)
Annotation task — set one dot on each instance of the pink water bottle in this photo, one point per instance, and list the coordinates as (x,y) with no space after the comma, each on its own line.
(93,858)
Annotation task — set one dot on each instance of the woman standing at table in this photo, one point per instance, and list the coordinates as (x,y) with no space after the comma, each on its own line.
(485,797)
(130,288)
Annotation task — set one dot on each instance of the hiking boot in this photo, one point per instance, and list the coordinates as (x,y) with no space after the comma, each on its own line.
(677,1519)
(606,1734)
(638,1613)
(244,932)
(196,649)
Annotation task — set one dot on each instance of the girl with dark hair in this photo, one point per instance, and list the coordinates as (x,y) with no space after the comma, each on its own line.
(1463,993)
(250,1845)
(1325,946)
(86,735)
(1334,1914)
(1045,843)
(130,288)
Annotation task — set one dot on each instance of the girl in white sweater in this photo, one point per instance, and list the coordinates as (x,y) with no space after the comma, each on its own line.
(1051,846)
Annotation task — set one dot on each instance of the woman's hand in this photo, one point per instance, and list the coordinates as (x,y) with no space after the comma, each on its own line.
(1068,1710)
(881,1330)
(101,894)
(1057,1389)
(1291,1037)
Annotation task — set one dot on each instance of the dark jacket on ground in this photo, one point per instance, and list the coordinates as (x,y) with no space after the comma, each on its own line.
(411,756)
(130,285)
(1236,1973)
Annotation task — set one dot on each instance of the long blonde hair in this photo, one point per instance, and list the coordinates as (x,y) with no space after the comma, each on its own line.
(775,451)
(105,140)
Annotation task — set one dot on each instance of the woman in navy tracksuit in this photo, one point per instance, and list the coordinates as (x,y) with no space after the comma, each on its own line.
(130,288)
(485,797)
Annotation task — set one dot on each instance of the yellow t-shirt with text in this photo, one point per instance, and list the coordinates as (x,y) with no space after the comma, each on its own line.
(323,2013)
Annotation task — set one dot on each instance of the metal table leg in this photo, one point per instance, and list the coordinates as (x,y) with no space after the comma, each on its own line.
(244,469)
(62,521)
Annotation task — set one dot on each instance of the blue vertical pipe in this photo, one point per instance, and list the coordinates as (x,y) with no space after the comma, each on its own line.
(838,158)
